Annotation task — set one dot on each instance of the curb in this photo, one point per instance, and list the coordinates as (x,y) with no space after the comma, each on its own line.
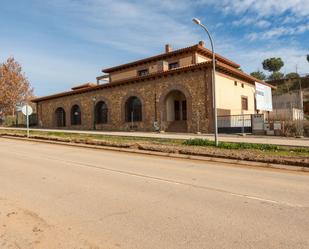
(193,135)
(234,162)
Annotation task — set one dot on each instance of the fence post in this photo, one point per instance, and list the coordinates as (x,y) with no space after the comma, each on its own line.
(243,123)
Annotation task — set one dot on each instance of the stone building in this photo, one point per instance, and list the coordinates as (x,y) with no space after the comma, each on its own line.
(171,92)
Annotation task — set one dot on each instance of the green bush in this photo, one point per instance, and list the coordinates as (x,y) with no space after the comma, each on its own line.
(9,121)
(227,145)
(198,142)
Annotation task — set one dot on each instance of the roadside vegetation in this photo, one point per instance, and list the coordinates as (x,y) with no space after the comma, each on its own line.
(198,147)
(86,137)
(268,148)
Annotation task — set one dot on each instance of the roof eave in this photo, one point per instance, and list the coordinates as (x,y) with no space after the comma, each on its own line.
(220,65)
(149,59)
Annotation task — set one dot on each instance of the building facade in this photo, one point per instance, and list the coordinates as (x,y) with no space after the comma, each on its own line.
(292,93)
(171,92)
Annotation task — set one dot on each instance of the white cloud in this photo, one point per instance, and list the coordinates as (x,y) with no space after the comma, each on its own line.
(278,32)
(251,59)
(275,17)
(147,24)
(263,24)
(143,27)
(261,7)
(246,21)
(131,26)
(292,19)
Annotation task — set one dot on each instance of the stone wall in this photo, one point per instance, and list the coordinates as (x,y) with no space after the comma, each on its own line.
(194,84)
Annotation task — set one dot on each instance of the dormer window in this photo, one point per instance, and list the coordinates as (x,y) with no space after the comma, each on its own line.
(173,65)
(143,72)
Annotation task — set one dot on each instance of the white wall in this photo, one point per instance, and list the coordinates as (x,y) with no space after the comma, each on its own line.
(170,114)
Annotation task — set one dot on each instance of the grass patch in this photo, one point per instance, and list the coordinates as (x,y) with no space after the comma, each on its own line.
(227,145)
(110,138)
(266,149)
(247,146)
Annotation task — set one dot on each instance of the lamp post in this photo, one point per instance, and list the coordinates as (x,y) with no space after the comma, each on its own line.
(198,22)
(94,99)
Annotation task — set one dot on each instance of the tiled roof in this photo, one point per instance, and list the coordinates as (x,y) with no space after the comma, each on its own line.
(83,86)
(195,48)
(219,65)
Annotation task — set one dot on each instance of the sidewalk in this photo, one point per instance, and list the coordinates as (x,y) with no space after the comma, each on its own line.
(303,142)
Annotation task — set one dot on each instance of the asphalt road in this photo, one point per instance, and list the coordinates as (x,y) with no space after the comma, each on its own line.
(54,196)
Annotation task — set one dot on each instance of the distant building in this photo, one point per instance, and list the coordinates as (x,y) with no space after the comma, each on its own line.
(288,106)
(171,91)
(291,98)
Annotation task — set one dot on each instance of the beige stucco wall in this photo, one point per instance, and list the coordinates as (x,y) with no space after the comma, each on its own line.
(229,95)
(184,60)
(153,68)
(123,74)
(170,115)
(201,58)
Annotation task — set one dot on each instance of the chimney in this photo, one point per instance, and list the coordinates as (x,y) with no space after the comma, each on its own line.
(201,43)
(168,48)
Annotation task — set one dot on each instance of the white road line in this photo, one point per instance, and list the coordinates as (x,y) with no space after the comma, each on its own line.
(170,181)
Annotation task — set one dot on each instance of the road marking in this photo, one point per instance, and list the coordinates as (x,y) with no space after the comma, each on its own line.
(170,181)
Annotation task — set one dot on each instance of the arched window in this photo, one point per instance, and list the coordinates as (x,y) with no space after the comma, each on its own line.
(76,117)
(60,117)
(101,113)
(133,109)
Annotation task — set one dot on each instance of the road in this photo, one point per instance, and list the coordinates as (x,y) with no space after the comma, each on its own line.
(55,196)
(287,141)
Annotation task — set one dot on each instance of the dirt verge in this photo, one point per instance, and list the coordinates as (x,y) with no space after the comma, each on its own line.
(245,155)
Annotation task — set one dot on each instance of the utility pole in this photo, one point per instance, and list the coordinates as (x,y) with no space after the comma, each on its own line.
(198,22)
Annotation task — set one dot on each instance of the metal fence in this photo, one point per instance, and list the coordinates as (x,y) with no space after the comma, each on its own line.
(235,123)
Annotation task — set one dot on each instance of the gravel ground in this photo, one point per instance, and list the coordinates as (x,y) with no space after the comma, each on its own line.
(21,228)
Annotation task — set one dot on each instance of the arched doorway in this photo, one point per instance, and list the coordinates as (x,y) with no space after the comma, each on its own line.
(176,111)
(133,109)
(101,112)
(60,117)
(76,116)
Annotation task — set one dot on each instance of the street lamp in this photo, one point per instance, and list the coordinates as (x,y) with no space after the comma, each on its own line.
(94,99)
(198,22)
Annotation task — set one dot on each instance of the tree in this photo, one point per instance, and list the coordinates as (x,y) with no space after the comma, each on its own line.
(276,76)
(273,64)
(259,75)
(292,75)
(15,88)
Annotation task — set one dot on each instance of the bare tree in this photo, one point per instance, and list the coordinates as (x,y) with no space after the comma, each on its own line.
(15,88)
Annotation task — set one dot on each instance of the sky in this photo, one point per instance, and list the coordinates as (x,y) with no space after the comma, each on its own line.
(64,43)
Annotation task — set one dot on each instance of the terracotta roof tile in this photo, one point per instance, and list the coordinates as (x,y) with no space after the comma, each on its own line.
(194,48)
(219,65)
(86,85)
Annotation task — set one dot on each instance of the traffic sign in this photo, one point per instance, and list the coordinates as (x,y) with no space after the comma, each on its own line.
(27,110)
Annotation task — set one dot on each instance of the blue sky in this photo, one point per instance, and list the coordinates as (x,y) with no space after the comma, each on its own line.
(62,43)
